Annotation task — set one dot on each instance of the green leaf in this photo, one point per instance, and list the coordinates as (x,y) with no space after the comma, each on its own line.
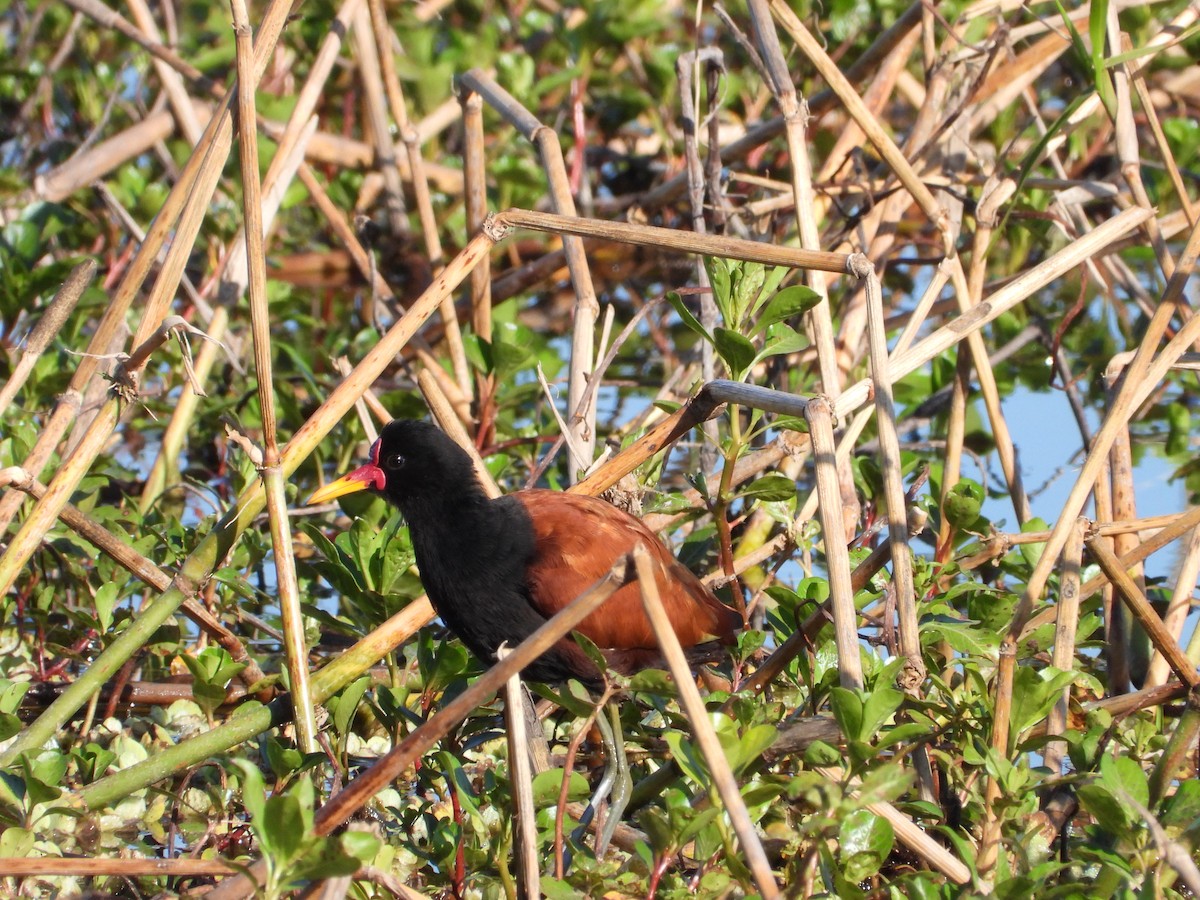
(9,725)
(360,845)
(820,753)
(848,710)
(1031,553)
(1124,774)
(686,316)
(790,302)
(687,757)
(769,488)
(781,339)
(282,760)
(548,784)
(345,704)
(746,279)
(881,704)
(1034,692)
(1108,811)
(93,761)
(254,793)
(16,842)
(865,840)
(105,599)
(736,350)
(1098,31)
(280,828)
(1183,809)
(719,278)
(653,681)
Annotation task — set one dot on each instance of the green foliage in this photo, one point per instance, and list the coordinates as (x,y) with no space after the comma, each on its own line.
(602,75)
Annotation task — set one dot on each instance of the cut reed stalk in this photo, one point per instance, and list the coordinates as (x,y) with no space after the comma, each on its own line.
(287,585)
(1063,655)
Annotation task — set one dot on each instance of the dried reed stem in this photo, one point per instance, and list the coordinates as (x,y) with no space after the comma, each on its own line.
(675,239)
(893,483)
(520,779)
(841,590)
(1141,609)
(1066,624)
(702,729)
(1187,573)
(581,418)
(858,111)
(286,582)
(1014,292)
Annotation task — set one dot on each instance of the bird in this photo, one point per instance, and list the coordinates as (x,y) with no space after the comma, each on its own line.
(496,569)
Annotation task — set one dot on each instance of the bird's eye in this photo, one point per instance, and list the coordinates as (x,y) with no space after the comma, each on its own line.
(395,461)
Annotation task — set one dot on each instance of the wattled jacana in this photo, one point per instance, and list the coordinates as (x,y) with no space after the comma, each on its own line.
(496,569)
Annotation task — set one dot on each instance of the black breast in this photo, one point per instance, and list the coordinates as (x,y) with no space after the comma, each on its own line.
(472,559)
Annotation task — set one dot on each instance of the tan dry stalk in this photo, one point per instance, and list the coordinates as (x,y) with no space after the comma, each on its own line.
(818,320)
(373,39)
(1180,524)
(580,418)
(1127,140)
(819,104)
(687,75)
(181,102)
(956,432)
(525,835)
(79,171)
(1063,656)
(384,39)
(200,564)
(80,867)
(103,15)
(1121,505)
(1005,449)
(893,483)
(1164,148)
(1141,609)
(841,591)
(288,156)
(1013,77)
(51,321)
(911,834)
(702,730)
(859,112)
(1187,573)
(348,153)
(475,195)
(287,586)
(337,221)
(443,412)
(379,129)
(675,239)
(1140,378)
(188,199)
